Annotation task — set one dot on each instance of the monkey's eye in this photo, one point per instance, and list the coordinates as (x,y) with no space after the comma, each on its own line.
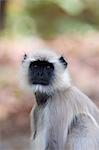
(48,67)
(63,61)
(35,66)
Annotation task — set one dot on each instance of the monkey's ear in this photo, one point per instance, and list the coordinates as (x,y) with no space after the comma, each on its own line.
(24,58)
(63,61)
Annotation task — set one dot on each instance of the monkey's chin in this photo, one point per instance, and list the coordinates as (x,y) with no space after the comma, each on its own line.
(42,89)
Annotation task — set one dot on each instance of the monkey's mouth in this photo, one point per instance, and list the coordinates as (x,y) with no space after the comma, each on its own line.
(43,86)
(39,82)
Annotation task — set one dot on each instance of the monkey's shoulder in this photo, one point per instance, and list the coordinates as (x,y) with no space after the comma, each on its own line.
(79,97)
(74,91)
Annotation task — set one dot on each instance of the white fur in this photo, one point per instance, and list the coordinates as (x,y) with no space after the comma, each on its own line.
(61,79)
(55,119)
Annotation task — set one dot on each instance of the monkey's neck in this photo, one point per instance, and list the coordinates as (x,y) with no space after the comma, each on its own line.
(41,98)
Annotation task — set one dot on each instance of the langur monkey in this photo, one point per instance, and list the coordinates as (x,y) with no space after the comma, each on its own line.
(63,118)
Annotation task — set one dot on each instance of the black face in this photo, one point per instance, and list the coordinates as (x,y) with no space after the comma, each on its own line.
(41,72)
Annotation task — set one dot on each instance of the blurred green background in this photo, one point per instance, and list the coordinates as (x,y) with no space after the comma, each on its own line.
(49,17)
(70,27)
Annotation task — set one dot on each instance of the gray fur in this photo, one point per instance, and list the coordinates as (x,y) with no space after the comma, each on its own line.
(66,119)
(57,119)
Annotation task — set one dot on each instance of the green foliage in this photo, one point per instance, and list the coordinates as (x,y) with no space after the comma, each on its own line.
(51,20)
(51,17)
(72,7)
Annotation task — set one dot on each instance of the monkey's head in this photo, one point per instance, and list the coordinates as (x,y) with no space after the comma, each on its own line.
(44,71)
